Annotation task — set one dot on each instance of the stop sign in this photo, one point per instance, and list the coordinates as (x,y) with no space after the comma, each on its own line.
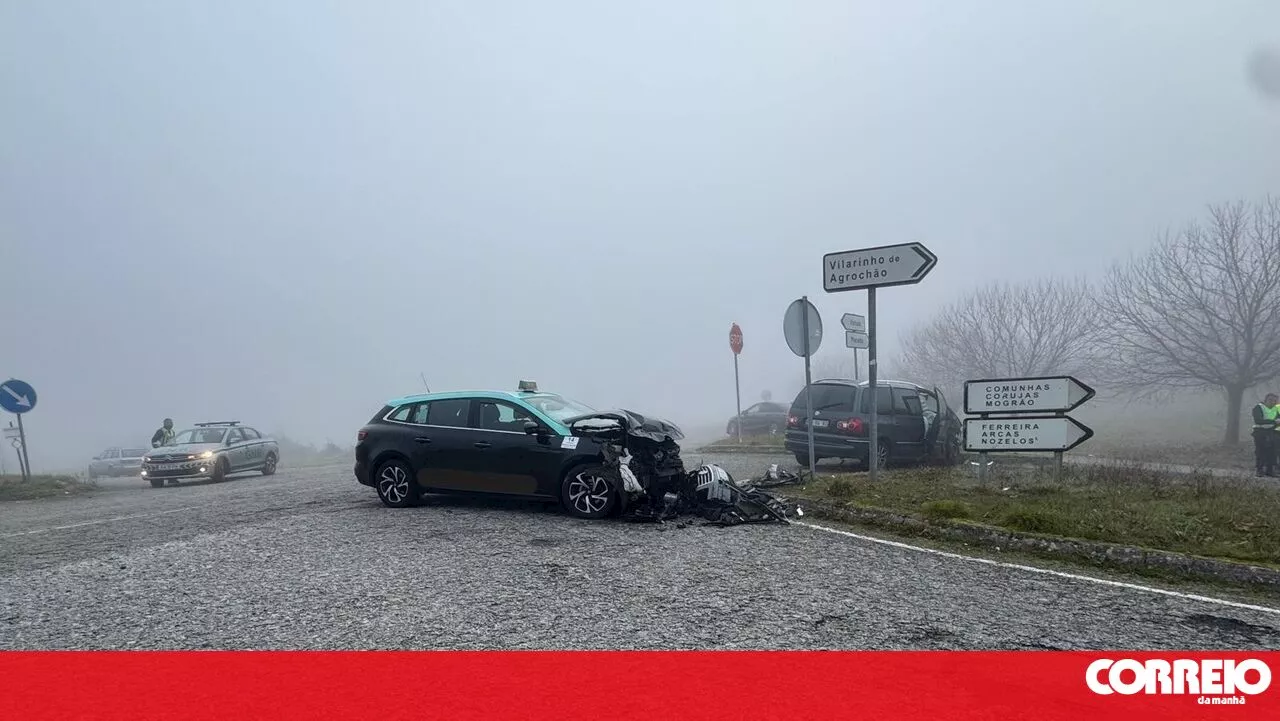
(735,339)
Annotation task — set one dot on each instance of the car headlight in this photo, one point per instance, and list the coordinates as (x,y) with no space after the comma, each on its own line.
(206,454)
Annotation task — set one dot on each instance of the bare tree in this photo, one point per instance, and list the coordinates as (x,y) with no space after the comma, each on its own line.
(1045,327)
(1201,309)
(838,363)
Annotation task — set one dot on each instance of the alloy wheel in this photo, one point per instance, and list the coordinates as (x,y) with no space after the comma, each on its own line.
(393,484)
(588,492)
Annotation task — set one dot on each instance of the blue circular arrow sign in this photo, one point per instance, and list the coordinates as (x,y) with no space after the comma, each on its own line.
(17,396)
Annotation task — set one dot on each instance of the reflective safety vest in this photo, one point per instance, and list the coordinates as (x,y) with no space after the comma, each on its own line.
(166,435)
(1269,413)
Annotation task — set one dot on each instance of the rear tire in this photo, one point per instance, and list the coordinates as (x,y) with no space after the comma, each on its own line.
(269,465)
(397,488)
(883,455)
(587,493)
(157,482)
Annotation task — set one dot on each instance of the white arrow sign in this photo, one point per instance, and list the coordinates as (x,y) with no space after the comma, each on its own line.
(854,322)
(22,400)
(887,265)
(856,340)
(1025,395)
(1027,434)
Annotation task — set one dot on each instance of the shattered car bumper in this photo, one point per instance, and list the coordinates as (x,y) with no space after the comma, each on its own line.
(643,457)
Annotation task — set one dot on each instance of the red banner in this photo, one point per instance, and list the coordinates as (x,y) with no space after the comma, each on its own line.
(1043,685)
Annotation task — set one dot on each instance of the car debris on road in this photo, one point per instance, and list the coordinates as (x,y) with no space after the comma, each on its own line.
(642,459)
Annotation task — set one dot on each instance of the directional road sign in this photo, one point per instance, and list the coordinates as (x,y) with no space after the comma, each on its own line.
(17,396)
(855,340)
(854,323)
(793,328)
(1027,434)
(1025,395)
(886,265)
(735,339)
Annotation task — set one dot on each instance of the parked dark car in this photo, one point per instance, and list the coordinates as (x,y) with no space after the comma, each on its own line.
(914,423)
(765,418)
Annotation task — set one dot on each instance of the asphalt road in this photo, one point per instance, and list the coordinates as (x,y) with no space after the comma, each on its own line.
(309,559)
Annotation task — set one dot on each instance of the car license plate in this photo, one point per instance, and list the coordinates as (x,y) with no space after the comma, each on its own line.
(168,466)
(821,423)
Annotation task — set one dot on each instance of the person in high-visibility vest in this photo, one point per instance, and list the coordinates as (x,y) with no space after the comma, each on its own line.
(1265,435)
(163,434)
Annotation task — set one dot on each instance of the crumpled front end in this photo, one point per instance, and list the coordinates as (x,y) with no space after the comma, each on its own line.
(642,456)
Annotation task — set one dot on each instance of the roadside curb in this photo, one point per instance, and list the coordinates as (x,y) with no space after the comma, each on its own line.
(759,450)
(1072,549)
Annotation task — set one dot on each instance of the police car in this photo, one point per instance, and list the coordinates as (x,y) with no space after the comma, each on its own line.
(211,451)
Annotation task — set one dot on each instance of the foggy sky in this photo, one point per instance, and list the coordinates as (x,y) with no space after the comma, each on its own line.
(282,212)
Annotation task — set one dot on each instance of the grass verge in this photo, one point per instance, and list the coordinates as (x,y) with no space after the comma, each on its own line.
(1201,455)
(1129,504)
(13,488)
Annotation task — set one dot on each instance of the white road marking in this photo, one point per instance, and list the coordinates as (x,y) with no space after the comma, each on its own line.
(1045,571)
(99,522)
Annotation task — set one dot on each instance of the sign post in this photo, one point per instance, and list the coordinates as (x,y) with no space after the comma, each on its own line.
(735,345)
(868,269)
(11,435)
(855,336)
(1027,415)
(19,397)
(802,327)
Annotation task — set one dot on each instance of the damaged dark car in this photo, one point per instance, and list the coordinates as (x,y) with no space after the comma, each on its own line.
(532,444)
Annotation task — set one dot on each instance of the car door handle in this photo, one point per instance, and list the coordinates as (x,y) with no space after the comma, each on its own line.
(483,444)
(421,439)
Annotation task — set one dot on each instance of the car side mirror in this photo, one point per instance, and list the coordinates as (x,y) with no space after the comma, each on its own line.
(531,428)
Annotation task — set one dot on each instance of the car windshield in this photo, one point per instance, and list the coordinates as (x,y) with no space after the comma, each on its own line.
(199,435)
(133,453)
(557,407)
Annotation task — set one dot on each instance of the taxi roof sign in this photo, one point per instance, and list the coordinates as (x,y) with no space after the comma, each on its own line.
(529,386)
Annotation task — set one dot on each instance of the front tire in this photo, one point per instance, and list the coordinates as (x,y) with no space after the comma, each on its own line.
(157,482)
(219,471)
(587,493)
(396,485)
(269,465)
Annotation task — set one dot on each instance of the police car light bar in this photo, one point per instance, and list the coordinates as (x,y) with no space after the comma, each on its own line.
(217,423)
(529,386)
